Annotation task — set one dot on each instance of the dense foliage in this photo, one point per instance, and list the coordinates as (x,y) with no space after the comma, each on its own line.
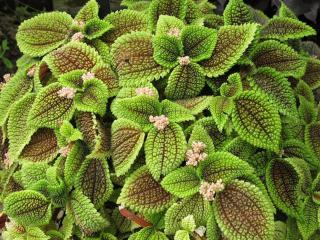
(162,121)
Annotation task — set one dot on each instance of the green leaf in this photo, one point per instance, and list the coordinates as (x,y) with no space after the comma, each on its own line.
(194,205)
(125,21)
(167,23)
(307,111)
(137,109)
(176,8)
(93,98)
(284,28)
(312,139)
(176,112)
(72,56)
(221,108)
(284,11)
(93,180)
(188,224)
(105,73)
(85,215)
(243,212)
(200,134)
(69,132)
(31,173)
(49,109)
(181,235)
(279,56)
(89,11)
(185,81)
(284,182)
(182,182)
(42,146)
(133,59)
(95,28)
(198,42)
(225,166)
(12,91)
(127,139)
(277,88)
(233,87)
(304,90)
(231,43)
(165,150)
(167,49)
(28,207)
(237,13)
(257,121)
(72,79)
(196,105)
(143,193)
(43,33)
(312,74)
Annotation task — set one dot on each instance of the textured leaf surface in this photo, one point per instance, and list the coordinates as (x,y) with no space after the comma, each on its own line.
(257,121)
(49,109)
(307,110)
(284,28)
(200,134)
(133,59)
(166,23)
(43,33)
(280,57)
(185,82)
(105,73)
(220,108)
(243,212)
(237,13)
(175,112)
(194,205)
(312,138)
(126,141)
(88,11)
(312,74)
(72,56)
(41,147)
(28,207)
(182,182)
(95,28)
(165,150)
(143,193)
(196,105)
(232,41)
(232,87)
(277,88)
(93,180)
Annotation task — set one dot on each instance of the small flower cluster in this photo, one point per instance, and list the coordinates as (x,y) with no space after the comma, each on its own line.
(174,32)
(145,91)
(31,71)
(160,122)
(208,190)
(78,36)
(183,61)
(87,76)
(67,92)
(196,154)
(7,161)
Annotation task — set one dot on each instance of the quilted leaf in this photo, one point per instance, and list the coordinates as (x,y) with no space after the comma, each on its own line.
(42,146)
(176,112)
(237,13)
(165,150)
(232,41)
(28,207)
(127,139)
(43,33)
(89,11)
(196,105)
(16,88)
(137,109)
(278,89)
(225,166)
(182,182)
(93,180)
(133,59)
(150,233)
(243,212)
(182,235)
(312,74)
(72,56)
(143,193)
(50,109)
(125,21)
(185,81)
(312,139)
(95,28)
(284,28)
(93,98)
(194,205)
(279,56)
(72,79)
(198,42)
(257,121)
(221,108)
(166,24)
(70,133)
(285,11)
(199,134)
(18,130)
(284,185)
(307,111)
(85,215)
(233,87)
(176,8)
(304,90)
(31,173)
(105,73)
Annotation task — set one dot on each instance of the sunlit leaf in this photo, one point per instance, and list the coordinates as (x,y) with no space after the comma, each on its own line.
(237,12)
(89,11)
(95,28)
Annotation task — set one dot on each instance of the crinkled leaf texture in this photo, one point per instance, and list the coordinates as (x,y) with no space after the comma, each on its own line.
(237,13)
(243,212)
(28,207)
(127,139)
(312,139)
(256,120)
(43,33)
(175,112)
(312,74)
(49,109)
(89,11)
(165,149)
(232,41)
(221,108)
(95,28)
(143,193)
(196,105)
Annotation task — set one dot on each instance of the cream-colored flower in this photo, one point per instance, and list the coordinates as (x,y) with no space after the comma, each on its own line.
(174,31)
(87,76)
(7,77)
(160,122)
(145,91)
(78,36)
(184,60)
(196,154)
(208,190)
(7,161)
(31,71)
(67,92)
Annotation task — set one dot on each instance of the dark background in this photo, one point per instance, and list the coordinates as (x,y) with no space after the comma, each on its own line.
(13,12)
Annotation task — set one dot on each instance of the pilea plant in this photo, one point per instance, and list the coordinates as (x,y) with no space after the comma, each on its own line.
(162,121)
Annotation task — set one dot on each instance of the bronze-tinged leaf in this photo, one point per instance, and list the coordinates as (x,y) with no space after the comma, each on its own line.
(105,73)
(312,74)
(312,139)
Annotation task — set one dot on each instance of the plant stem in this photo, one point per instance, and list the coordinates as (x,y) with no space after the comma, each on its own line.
(133,217)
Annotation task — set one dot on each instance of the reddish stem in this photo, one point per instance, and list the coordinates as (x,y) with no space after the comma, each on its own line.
(3,219)
(133,217)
